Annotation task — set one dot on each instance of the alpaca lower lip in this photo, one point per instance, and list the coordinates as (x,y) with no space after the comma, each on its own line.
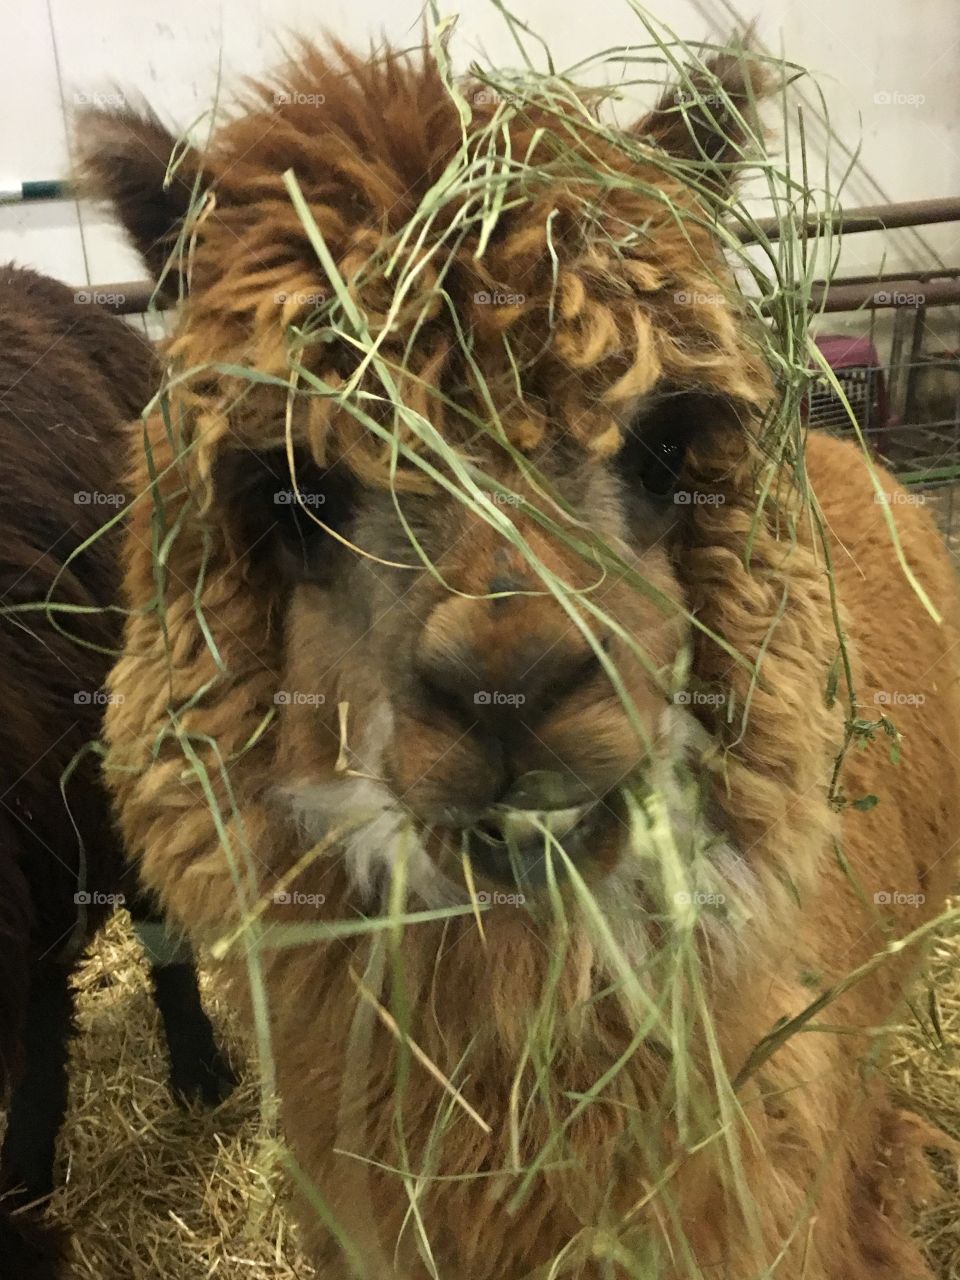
(514,846)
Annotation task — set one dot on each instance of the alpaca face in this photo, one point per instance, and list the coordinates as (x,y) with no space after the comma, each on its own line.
(491,665)
(473,695)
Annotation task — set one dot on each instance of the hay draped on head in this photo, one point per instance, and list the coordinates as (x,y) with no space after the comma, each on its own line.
(528,264)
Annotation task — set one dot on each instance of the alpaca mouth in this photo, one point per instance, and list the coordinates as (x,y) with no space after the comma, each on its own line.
(515,846)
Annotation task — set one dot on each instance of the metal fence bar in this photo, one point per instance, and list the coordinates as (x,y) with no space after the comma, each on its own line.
(881,294)
(889,277)
(868,217)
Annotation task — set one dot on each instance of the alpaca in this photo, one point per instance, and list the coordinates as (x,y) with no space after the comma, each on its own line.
(69,375)
(580,902)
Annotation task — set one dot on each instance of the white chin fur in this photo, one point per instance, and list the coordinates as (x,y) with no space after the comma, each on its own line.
(383,837)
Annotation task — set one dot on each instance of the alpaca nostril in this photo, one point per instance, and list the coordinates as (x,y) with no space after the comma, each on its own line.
(570,676)
(587,671)
(448,684)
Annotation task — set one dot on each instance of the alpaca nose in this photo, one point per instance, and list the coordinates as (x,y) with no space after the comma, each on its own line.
(511,687)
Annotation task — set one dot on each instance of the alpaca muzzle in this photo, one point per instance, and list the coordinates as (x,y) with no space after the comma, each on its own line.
(543,819)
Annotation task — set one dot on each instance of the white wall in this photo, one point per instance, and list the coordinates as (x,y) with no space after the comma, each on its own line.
(888,70)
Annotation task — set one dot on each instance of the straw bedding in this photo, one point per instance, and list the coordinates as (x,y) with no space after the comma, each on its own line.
(152,1191)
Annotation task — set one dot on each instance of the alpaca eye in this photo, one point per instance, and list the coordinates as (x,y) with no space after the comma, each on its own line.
(660,471)
(655,449)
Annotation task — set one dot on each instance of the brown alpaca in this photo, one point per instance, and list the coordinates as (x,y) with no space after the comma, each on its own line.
(503,1097)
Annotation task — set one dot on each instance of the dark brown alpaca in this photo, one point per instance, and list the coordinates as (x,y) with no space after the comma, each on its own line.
(399,726)
(70,376)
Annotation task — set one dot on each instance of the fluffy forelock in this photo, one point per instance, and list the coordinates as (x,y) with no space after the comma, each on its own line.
(605,270)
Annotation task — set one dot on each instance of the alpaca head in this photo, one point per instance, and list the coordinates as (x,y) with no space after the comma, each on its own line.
(452,456)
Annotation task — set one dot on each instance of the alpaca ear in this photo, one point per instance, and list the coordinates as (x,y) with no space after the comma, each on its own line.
(712,118)
(135,164)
